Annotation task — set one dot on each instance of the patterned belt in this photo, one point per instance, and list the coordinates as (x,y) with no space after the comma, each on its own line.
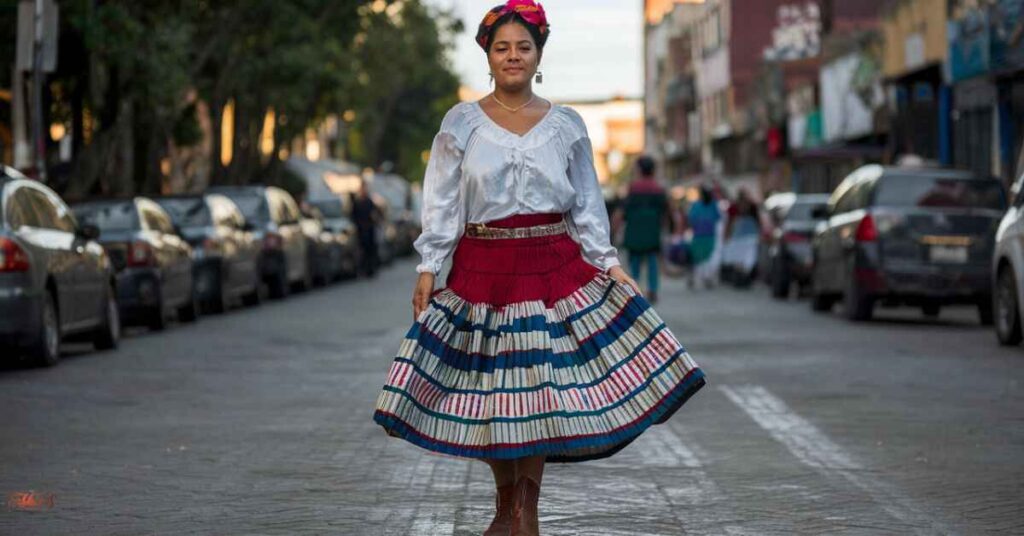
(481,230)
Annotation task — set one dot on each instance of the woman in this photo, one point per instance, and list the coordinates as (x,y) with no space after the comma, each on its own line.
(703,219)
(534,351)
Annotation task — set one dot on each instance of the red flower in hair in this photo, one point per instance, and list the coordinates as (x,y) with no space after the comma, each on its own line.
(531,12)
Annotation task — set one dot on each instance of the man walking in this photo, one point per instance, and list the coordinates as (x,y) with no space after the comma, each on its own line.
(366,215)
(646,213)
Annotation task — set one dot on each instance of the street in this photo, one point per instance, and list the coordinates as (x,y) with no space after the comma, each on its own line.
(259,422)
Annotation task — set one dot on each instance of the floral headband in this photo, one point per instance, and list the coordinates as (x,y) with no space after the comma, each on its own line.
(530,11)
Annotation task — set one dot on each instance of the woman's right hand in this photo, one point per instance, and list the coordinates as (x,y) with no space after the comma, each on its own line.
(421,295)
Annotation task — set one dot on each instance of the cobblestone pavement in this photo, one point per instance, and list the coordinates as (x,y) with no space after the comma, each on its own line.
(258,422)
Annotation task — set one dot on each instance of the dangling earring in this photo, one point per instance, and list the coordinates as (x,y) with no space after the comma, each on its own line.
(491,81)
(540,77)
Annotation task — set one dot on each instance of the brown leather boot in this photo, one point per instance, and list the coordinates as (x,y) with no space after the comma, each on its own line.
(524,516)
(503,500)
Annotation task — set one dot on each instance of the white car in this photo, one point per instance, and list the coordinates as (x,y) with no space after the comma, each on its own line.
(1008,266)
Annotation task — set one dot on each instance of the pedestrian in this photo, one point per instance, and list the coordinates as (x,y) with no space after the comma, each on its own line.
(539,348)
(645,213)
(743,232)
(367,216)
(703,220)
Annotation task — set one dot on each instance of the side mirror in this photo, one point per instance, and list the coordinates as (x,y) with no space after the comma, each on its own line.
(88,231)
(820,213)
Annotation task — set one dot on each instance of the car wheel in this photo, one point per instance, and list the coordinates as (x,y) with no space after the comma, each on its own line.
(279,284)
(306,283)
(256,296)
(780,280)
(219,302)
(931,310)
(857,305)
(1006,309)
(190,311)
(45,349)
(820,302)
(157,316)
(108,334)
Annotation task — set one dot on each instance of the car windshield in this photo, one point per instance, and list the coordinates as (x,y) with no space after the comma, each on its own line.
(940,192)
(253,206)
(330,208)
(116,217)
(187,212)
(803,211)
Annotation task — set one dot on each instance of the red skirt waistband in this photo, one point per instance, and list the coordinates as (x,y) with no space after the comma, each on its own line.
(526,220)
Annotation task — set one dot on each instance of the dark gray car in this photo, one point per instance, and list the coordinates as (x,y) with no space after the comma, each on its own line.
(337,222)
(225,250)
(153,263)
(922,237)
(55,279)
(789,244)
(275,218)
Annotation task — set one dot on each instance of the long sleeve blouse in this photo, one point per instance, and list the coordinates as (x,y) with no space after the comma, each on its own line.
(479,171)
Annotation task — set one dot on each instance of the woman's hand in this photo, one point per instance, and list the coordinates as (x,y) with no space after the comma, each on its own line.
(421,295)
(618,274)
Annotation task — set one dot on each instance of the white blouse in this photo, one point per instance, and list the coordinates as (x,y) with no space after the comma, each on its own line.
(478,172)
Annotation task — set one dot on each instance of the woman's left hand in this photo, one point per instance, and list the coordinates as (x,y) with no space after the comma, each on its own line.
(618,274)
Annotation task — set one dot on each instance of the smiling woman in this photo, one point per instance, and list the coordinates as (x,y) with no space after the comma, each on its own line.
(539,347)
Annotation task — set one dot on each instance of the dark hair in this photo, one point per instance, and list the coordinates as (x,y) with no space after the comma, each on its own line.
(539,38)
(646,165)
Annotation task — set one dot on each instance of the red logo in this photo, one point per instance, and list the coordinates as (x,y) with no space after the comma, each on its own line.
(29,500)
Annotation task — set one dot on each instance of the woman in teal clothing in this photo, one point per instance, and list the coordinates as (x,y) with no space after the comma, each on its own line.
(703,219)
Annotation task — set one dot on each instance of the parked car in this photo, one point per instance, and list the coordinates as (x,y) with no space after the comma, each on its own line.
(1008,267)
(402,228)
(789,244)
(274,216)
(922,237)
(773,210)
(323,250)
(336,221)
(153,263)
(225,253)
(56,281)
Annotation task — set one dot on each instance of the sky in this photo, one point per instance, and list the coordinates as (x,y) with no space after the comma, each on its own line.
(594,52)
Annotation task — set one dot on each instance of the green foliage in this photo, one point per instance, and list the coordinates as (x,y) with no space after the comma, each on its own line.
(142,64)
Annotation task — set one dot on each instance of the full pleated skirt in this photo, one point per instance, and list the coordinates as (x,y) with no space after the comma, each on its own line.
(529,350)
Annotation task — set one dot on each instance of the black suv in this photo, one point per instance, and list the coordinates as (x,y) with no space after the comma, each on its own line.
(913,236)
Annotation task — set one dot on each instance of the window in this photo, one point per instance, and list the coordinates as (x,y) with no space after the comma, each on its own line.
(155,218)
(221,211)
(186,211)
(46,212)
(941,192)
(19,211)
(108,216)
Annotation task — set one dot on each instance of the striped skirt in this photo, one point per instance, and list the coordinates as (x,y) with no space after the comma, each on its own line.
(529,350)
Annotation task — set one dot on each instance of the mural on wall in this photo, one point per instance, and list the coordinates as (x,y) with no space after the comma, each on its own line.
(797,34)
(985,35)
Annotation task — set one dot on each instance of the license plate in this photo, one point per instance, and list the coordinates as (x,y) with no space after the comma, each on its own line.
(948,254)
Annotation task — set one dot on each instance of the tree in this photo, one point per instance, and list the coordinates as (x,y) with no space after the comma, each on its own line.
(135,76)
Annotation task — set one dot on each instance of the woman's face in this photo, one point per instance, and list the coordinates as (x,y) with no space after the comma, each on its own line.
(514,57)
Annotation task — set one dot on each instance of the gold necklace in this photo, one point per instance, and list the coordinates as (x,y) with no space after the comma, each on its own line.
(509,108)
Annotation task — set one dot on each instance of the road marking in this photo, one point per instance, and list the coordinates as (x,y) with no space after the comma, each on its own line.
(434,516)
(814,449)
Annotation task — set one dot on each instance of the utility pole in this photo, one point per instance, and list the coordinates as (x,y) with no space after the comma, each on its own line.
(38,142)
(36,56)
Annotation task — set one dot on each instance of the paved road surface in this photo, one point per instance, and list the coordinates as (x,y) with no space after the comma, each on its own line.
(258,422)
